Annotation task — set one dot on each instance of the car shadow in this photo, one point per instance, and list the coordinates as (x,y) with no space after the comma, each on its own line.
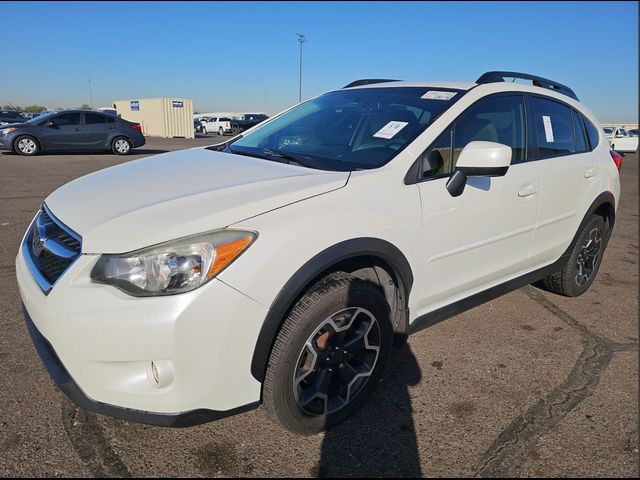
(379,440)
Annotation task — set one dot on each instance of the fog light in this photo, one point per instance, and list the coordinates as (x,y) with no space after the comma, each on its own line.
(160,373)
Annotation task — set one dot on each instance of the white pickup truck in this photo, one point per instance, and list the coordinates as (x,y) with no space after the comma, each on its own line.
(620,140)
(219,125)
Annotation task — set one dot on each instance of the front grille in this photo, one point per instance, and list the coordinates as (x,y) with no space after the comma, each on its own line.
(60,234)
(50,248)
(51,266)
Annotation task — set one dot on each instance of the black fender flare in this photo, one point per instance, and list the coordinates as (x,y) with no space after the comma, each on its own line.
(300,280)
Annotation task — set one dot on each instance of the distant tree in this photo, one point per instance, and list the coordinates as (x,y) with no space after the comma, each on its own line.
(85,107)
(34,108)
(10,107)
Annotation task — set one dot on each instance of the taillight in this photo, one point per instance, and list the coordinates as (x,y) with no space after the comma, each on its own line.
(136,126)
(617,159)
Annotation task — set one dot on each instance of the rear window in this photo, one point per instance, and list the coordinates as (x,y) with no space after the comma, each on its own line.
(554,128)
(225,119)
(92,118)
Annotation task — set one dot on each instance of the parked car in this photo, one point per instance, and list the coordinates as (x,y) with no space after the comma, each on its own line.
(620,140)
(220,125)
(249,120)
(634,132)
(72,130)
(282,267)
(10,116)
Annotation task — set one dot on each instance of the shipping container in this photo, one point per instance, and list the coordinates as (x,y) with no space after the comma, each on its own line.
(165,117)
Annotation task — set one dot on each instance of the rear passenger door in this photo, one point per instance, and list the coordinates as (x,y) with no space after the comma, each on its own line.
(95,132)
(568,169)
(482,237)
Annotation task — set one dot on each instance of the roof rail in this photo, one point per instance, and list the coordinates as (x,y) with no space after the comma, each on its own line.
(368,81)
(491,77)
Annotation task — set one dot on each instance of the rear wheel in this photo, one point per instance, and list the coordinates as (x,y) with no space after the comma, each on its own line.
(221,131)
(328,355)
(26,145)
(583,264)
(121,146)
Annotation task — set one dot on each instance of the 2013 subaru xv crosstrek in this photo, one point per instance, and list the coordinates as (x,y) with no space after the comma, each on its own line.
(282,267)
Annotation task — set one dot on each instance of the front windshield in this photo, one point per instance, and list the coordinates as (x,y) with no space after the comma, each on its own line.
(349,129)
(41,117)
(608,131)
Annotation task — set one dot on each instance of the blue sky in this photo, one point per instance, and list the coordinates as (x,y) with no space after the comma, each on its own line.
(243,56)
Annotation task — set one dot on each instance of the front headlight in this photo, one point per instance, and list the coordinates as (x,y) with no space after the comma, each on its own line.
(174,267)
(6,131)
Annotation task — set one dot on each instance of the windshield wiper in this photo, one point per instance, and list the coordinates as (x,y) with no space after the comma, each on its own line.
(289,157)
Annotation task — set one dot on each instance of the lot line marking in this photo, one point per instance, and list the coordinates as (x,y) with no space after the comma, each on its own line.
(513,446)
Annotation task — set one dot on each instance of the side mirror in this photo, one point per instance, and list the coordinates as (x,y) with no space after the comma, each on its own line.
(49,124)
(479,159)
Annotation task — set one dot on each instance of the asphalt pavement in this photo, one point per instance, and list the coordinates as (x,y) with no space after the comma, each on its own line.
(530,384)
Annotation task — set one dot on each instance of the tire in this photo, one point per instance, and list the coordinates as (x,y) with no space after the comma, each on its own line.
(26,145)
(294,374)
(204,130)
(121,146)
(583,264)
(221,131)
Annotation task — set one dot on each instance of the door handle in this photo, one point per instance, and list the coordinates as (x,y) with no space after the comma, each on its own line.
(590,172)
(527,190)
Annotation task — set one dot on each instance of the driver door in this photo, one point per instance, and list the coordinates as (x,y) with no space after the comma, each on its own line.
(481,238)
(63,132)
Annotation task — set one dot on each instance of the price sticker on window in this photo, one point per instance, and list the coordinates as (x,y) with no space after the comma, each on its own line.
(390,130)
(548,128)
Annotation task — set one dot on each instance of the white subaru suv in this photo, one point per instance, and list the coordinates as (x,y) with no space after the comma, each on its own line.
(282,267)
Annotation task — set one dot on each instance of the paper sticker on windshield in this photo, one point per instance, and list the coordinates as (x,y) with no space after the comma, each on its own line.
(548,129)
(390,130)
(436,95)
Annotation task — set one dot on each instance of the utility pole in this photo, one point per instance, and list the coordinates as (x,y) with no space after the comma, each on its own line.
(302,39)
(90,94)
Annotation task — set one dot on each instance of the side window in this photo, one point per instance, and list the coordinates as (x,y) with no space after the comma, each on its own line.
(500,119)
(581,141)
(592,133)
(93,118)
(66,119)
(554,128)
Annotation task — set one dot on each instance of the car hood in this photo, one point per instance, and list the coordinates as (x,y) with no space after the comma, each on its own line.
(173,195)
(14,125)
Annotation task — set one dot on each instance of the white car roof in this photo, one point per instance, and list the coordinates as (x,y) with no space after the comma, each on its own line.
(433,84)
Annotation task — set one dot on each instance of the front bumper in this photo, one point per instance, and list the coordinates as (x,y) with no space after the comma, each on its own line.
(98,344)
(63,380)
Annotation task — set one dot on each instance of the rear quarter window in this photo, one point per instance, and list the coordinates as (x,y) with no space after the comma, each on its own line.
(592,133)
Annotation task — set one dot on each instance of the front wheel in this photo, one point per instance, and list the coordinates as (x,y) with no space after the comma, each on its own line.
(26,145)
(121,146)
(204,130)
(328,355)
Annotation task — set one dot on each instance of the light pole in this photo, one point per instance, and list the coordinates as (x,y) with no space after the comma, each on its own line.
(90,94)
(302,39)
